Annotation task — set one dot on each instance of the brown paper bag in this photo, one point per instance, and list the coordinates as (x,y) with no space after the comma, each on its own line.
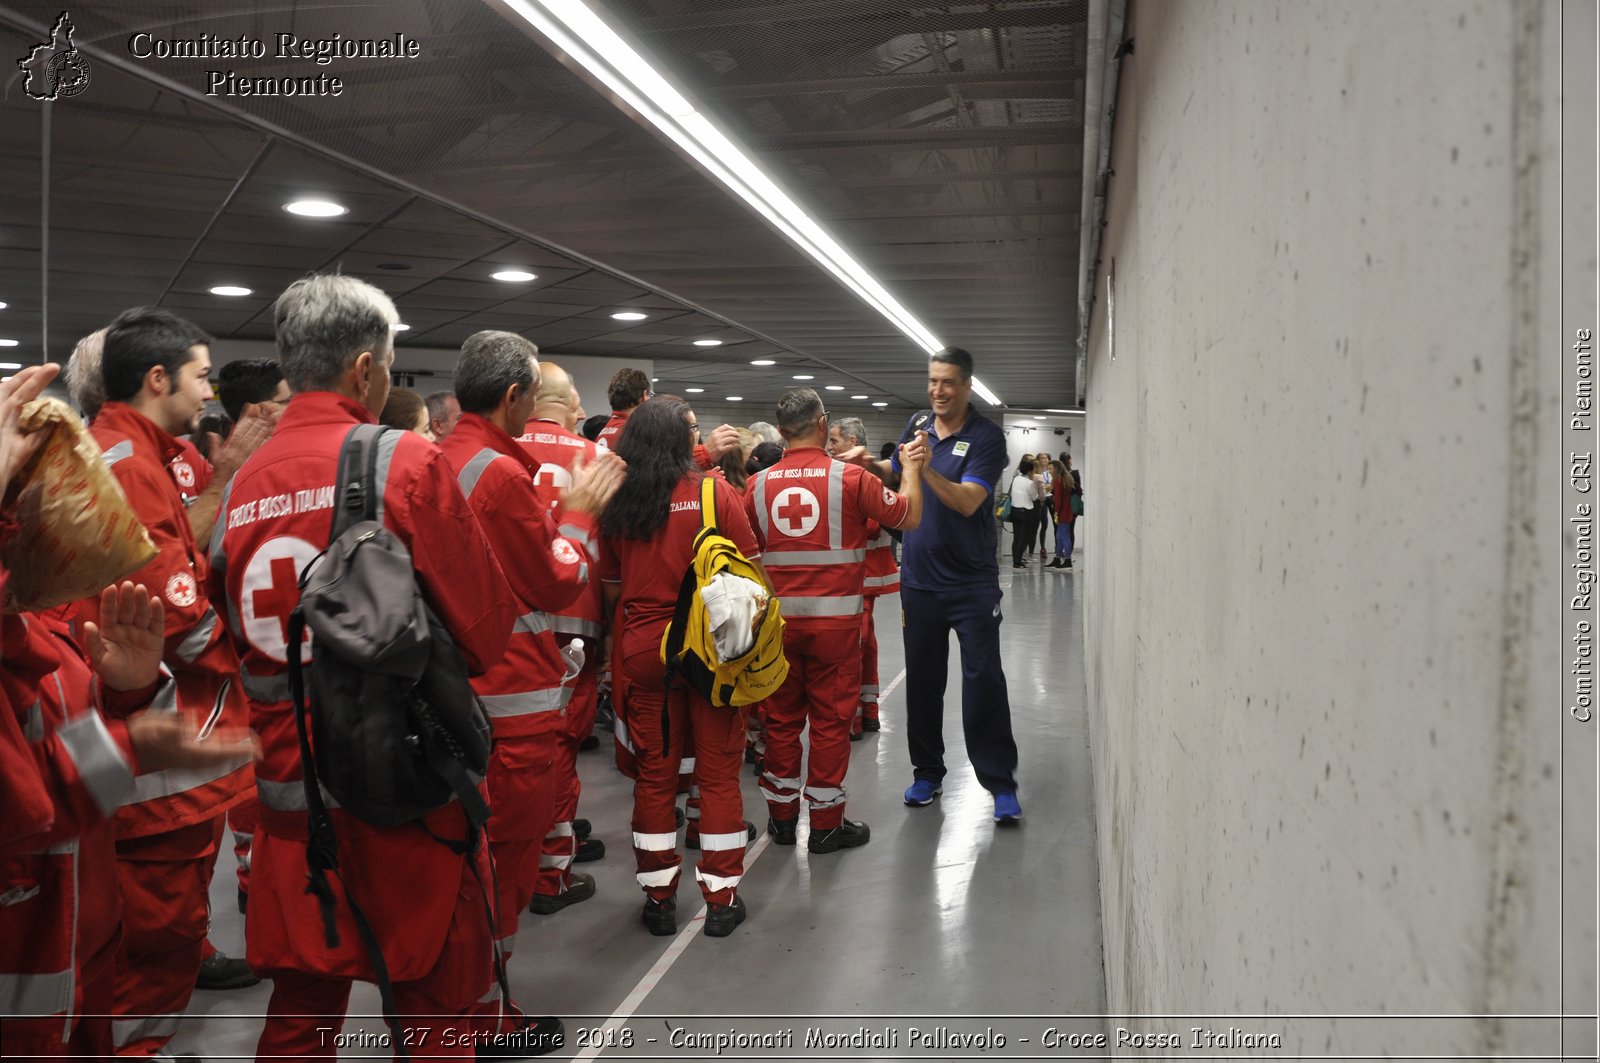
(77,534)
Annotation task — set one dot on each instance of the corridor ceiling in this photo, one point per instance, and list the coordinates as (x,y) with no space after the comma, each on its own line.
(942,144)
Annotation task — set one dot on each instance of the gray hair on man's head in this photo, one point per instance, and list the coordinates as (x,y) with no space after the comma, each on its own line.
(798,410)
(324,322)
(766,433)
(490,363)
(85,382)
(852,429)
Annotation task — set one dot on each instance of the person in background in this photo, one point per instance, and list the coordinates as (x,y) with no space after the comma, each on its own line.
(1043,476)
(593,425)
(156,371)
(764,456)
(256,381)
(882,577)
(209,433)
(1068,490)
(766,433)
(407,411)
(648,542)
(1024,511)
(444,411)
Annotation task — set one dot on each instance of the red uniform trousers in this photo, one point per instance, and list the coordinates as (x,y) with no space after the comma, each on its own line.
(164,880)
(242,819)
(868,708)
(718,750)
(522,794)
(40,1038)
(822,688)
(307,1009)
(561,844)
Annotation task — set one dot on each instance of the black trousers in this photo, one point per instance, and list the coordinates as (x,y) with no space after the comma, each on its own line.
(1024,525)
(974,615)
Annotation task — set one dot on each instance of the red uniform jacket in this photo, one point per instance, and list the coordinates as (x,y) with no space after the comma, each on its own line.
(276,517)
(554,451)
(883,571)
(811,514)
(547,569)
(607,439)
(190,471)
(59,907)
(197,651)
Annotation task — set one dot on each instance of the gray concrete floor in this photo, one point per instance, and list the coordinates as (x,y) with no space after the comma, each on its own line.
(943,919)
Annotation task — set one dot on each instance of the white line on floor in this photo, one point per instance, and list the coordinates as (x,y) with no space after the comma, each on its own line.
(655,974)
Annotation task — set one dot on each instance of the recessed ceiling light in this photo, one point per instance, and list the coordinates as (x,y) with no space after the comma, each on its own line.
(629,315)
(834,387)
(654,379)
(763,361)
(735,398)
(8,343)
(315,208)
(2,306)
(860,396)
(804,376)
(10,365)
(401,326)
(695,391)
(708,343)
(229,289)
(880,404)
(513,275)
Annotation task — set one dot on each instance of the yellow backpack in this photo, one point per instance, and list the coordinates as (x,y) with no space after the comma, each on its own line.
(688,647)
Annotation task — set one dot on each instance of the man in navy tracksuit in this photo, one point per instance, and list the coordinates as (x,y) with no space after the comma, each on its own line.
(949,578)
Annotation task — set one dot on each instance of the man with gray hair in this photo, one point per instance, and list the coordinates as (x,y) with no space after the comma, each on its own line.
(444,412)
(420,896)
(883,577)
(810,514)
(528,690)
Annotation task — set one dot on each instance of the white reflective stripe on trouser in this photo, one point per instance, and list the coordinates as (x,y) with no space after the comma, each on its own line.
(534,623)
(655,843)
(620,733)
(36,994)
(892,580)
(819,797)
(527,703)
(843,605)
(714,843)
(561,830)
(126,1031)
(665,877)
(771,787)
(547,861)
(713,883)
(686,766)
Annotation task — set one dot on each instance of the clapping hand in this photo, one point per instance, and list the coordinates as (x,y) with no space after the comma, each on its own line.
(125,646)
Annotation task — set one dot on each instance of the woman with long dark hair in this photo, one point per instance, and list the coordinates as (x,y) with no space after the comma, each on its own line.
(649,529)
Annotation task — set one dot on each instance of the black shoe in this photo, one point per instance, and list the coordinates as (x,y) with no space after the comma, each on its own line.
(219,972)
(847,835)
(722,918)
(661,917)
(1068,564)
(749,754)
(581,889)
(782,830)
(589,850)
(692,841)
(588,743)
(1019,566)
(677,815)
(582,828)
(535,1037)
(856,736)
(870,723)
(244,901)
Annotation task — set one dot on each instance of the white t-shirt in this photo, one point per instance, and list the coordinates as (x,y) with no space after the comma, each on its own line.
(1024,492)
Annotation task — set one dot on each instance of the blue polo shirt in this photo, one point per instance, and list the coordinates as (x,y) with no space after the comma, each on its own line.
(948,551)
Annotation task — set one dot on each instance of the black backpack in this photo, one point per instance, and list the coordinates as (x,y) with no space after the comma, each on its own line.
(398,729)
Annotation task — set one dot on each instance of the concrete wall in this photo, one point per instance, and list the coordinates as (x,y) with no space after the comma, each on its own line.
(1321,616)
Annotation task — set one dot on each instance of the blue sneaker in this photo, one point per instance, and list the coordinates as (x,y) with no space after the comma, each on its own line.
(922,792)
(1007,810)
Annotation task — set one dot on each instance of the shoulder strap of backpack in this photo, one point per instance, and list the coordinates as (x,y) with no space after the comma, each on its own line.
(356,496)
(708,502)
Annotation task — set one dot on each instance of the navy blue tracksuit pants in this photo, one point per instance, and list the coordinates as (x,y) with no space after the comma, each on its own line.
(974,613)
